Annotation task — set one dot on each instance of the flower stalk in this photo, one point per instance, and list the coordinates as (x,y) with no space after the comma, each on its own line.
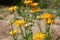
(48,33)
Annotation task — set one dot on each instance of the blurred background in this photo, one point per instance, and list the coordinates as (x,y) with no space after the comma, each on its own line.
(43,3)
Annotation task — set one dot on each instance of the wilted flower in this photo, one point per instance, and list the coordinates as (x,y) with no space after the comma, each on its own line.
(19,22)
(28,24)
(27,1)
(34,4)
(39,36)
(22,8)
(38,17)
(10,21)
(46,15)
(13,32)
(34,10)
(11,9)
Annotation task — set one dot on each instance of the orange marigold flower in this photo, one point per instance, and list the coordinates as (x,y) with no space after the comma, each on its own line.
(11,9)
(19,23)
(34,4)
(27,1)
(13,32)
(50,21)
(39,36)
(34,10)
(46,15)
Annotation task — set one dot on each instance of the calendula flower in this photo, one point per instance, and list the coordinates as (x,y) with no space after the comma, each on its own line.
(34,4)
(11,9)
(46,15)
(34,10)
(39,36)
(19,22)
(50,21)
(27,1)
(13,32)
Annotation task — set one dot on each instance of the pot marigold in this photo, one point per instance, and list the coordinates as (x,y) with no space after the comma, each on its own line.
(50,21)
(39,36)
(34,4)
(19,23)
(34,10)
(27,1)
(11,9)
(13,32)
(46,15)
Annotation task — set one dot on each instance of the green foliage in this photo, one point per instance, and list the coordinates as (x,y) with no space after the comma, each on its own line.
(43,3)
(58,12)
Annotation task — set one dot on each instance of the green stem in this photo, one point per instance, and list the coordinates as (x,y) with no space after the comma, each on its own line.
(15,37)
(39,26)
(26,7)
(11,27)
(12,32)
(26,32)
(22,32)
(31,33)
(48,33)
(14,15)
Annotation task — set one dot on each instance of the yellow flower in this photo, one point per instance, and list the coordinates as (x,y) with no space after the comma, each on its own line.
(34,10)
(50,21)
(13,8)
(14,32)
(34,4)
(46,15)
(39,36)
(19,22)
(27,1)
